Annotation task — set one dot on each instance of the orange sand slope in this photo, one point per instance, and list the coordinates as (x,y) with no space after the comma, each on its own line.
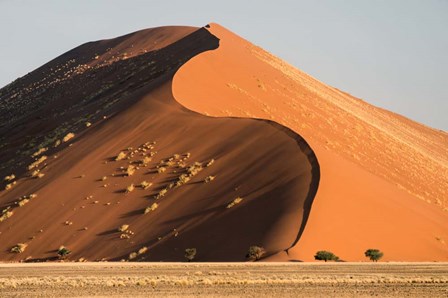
(99,139)
(384,178)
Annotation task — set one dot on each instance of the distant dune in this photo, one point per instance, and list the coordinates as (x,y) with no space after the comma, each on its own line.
(139,147)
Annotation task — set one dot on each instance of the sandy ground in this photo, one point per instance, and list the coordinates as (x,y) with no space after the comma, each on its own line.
(225,279)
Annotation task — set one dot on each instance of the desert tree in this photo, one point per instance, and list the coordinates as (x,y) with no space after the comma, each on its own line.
(190,254)
(323,255)
(374,254)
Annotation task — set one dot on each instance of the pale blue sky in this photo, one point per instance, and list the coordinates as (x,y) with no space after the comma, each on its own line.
(391,53)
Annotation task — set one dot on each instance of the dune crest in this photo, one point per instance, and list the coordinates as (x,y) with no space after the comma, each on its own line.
(384,178)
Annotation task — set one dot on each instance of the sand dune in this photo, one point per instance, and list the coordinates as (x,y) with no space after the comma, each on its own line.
(384,178)
(180,167)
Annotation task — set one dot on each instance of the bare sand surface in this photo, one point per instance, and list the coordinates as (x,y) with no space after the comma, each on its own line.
(224,279)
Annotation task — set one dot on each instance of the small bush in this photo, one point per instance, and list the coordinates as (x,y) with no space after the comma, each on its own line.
(39,152)
(234,202)
(209,179)
(151,208)
(145,185)
(130,188)
(9,178)
(130,170)
(68,137)
(120,156)
(374,254)
(10,185)
(324,255)
(190,254)
(37,162)
(161,193)
(19,248)
(255,253)
(161,170)
(6,213)
(63,252)
(123,228)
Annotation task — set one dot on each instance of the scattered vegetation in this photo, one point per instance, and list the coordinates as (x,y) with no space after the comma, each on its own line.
(19,248)
(190,254)
(374,254)
(234,202)
(323,255)
(255,253)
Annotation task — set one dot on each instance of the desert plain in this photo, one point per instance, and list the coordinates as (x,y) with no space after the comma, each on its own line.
(395,279)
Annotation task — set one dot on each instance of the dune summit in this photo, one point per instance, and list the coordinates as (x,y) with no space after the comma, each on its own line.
(139,147)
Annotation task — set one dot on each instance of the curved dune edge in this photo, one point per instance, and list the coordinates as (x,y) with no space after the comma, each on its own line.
(356,207)
(77,207)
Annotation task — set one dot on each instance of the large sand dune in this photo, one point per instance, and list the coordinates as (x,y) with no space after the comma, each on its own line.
(116,96)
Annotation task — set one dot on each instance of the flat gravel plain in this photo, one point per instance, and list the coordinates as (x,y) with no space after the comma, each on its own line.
(224,280)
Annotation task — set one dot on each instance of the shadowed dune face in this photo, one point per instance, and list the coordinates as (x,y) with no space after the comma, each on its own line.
(116,96)
(384,178)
